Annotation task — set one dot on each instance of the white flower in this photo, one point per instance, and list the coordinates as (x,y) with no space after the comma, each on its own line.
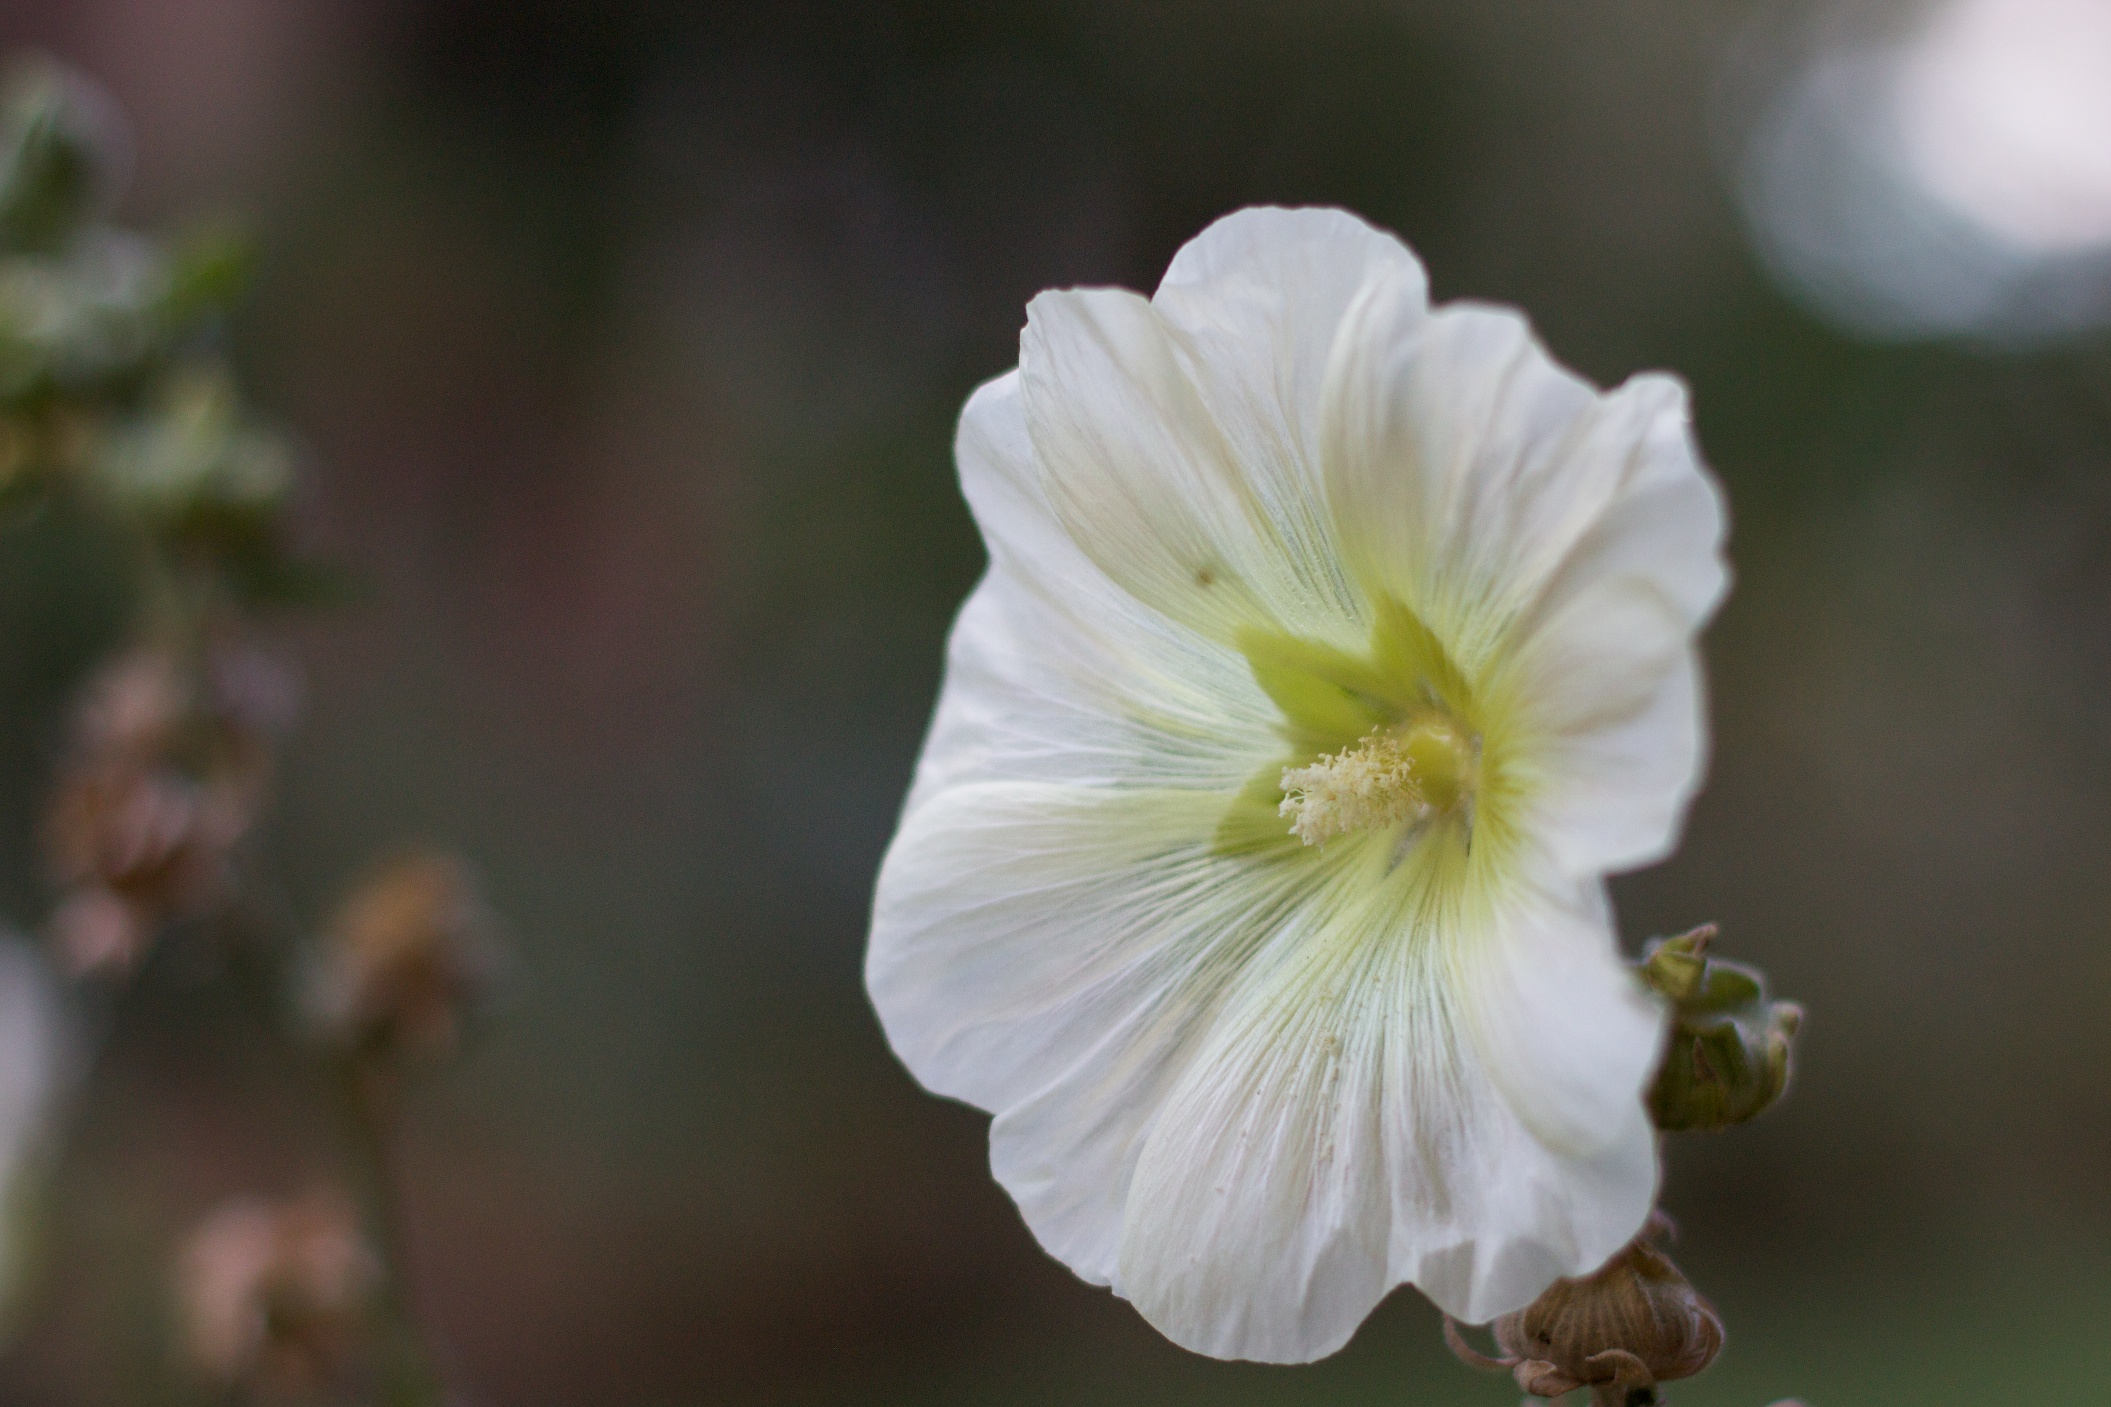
(1332,648)
(37,1066)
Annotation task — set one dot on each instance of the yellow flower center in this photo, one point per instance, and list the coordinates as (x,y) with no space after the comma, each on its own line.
(1395,737)
(1406,774)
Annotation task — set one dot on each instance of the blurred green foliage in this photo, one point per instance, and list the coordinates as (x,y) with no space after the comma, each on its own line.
(112,386)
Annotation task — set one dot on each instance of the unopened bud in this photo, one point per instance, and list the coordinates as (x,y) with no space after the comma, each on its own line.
(1619,1332)
(407,959)
(64,155)
(196,464)
(276,1298)
(1728,1053)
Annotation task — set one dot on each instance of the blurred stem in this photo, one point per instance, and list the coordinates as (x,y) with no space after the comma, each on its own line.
(1614,1396)
(409,1374)
(178,601)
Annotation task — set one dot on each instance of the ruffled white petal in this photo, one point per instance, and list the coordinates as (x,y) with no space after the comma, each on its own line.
(1255,1098)
(1142,475)
(1605,666)
(1052,954)
(1257,300)
(1258,1222)
(1054,672)
(1369,1110)
(1565,544)
(1609,699)
(1179,436)
(1559,1030)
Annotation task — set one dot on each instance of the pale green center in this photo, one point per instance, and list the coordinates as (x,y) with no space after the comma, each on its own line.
(1405,774)
(1391,738)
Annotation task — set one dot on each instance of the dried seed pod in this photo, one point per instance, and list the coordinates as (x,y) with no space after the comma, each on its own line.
(276,1298)
(408,957)
(134,707)
(169,766)
(1633,1324)
(218,713)
(133,846)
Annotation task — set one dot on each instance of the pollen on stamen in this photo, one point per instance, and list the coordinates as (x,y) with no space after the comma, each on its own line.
(1358,788)
(1389,778)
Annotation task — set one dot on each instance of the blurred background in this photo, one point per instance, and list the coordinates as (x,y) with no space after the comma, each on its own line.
(624,344)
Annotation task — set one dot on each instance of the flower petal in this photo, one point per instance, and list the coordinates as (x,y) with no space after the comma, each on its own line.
(1055,673)
(1258,1219)
(1447,459)
(1051,954)
(1556,1033)
(1608,692)
(1391,1098)
(1148,482)
(1257,300)
(1564,544)
(1605,667)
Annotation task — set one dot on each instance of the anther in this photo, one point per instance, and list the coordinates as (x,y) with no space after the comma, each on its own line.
(1393,776)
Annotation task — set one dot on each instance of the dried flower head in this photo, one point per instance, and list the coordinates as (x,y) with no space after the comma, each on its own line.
(275,1297)
(1634,1323)
(168,769)
(407,958)
(220,709)
(134,847)
(135,707)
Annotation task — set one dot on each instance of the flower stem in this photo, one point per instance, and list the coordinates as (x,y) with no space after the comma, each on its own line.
(407,1369)
(1613,1395)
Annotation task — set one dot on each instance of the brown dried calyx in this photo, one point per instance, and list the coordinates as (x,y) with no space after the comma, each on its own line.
(277,1298)
(1633,1324)
(410,955)
(168,767)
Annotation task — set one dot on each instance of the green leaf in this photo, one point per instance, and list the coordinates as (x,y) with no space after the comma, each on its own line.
(208,271)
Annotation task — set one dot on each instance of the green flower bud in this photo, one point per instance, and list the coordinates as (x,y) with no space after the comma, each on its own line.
(208,269)
(63,155)
(78,322)
(1727,1055)
(194,462)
